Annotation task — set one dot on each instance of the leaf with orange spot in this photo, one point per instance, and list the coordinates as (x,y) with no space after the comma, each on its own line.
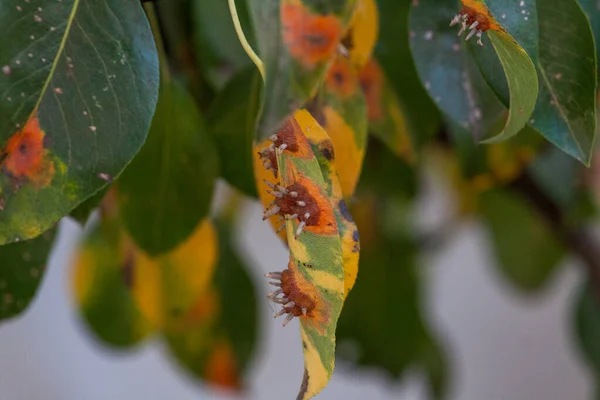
(218,346)
(316,261)
(78,87)
(297,41)
(322,147)
(386,116)
(101,279)
(363,31)
(341,110)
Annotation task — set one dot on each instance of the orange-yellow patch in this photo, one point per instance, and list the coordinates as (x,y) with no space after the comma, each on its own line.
(371,81)
(310,38)
(476,10)
(221,367)
(341,78)
(24,156)
(302,292)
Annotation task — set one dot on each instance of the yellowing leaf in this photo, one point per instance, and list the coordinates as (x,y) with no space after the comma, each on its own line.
(363,32)
(167,287)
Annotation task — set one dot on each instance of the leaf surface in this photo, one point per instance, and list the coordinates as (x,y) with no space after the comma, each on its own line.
(78,87)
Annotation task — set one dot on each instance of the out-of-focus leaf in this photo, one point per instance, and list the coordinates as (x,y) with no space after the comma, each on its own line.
(387,118)
(232,119)
(102,277)
(297,41)
(219,345)
(167,287)
(321,145)
(394,55)
(77,92)
(527,250)
(83,211)
(22,266)
(362,34)
(587,326)
(342,111)
(435,365)
(216,36)
(448,71)
(556,174)
(167,189)
(388,286)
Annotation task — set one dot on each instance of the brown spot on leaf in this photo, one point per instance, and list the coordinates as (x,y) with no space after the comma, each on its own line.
(341,78)
(371,81)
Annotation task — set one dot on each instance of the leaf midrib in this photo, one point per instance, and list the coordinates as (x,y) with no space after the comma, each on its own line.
(61,48)
(560,109)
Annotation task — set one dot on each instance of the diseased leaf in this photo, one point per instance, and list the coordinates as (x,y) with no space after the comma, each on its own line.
(220,343)
(297,41)
(77,92)
(167,287)
(362,33)
(387,118)
(322,148)
(167,189)
(313,283)
(232,120)
(527,250)
(341,110)
(447,70)
(102,277)
(22,267)
(83,211)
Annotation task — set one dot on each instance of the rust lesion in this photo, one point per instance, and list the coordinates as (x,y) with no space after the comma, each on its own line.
(24,157)
(476,18)
(297,295)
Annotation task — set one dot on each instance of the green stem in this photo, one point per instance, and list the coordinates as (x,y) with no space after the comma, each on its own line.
(240,34)
(150,9)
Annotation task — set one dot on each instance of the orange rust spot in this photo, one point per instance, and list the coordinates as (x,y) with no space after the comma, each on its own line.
(292,291)
(24,156)
(341,78)
(478,11)
(290,138)
(310,38)
(304,200)
(221,366)
(371,80)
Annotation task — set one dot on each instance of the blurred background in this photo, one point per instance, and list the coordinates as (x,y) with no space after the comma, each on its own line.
(475,262)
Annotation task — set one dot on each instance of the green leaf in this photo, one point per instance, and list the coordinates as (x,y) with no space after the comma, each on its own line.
(587,326)
(231,121)
(388,286)
(22,266)
(527,251)
(556,173)
(566,110)
(522,83)
(103,272)
(78,89)
(394,55)
(83,211)
(447,70)
(296,41)
(435,365)
(167,189)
